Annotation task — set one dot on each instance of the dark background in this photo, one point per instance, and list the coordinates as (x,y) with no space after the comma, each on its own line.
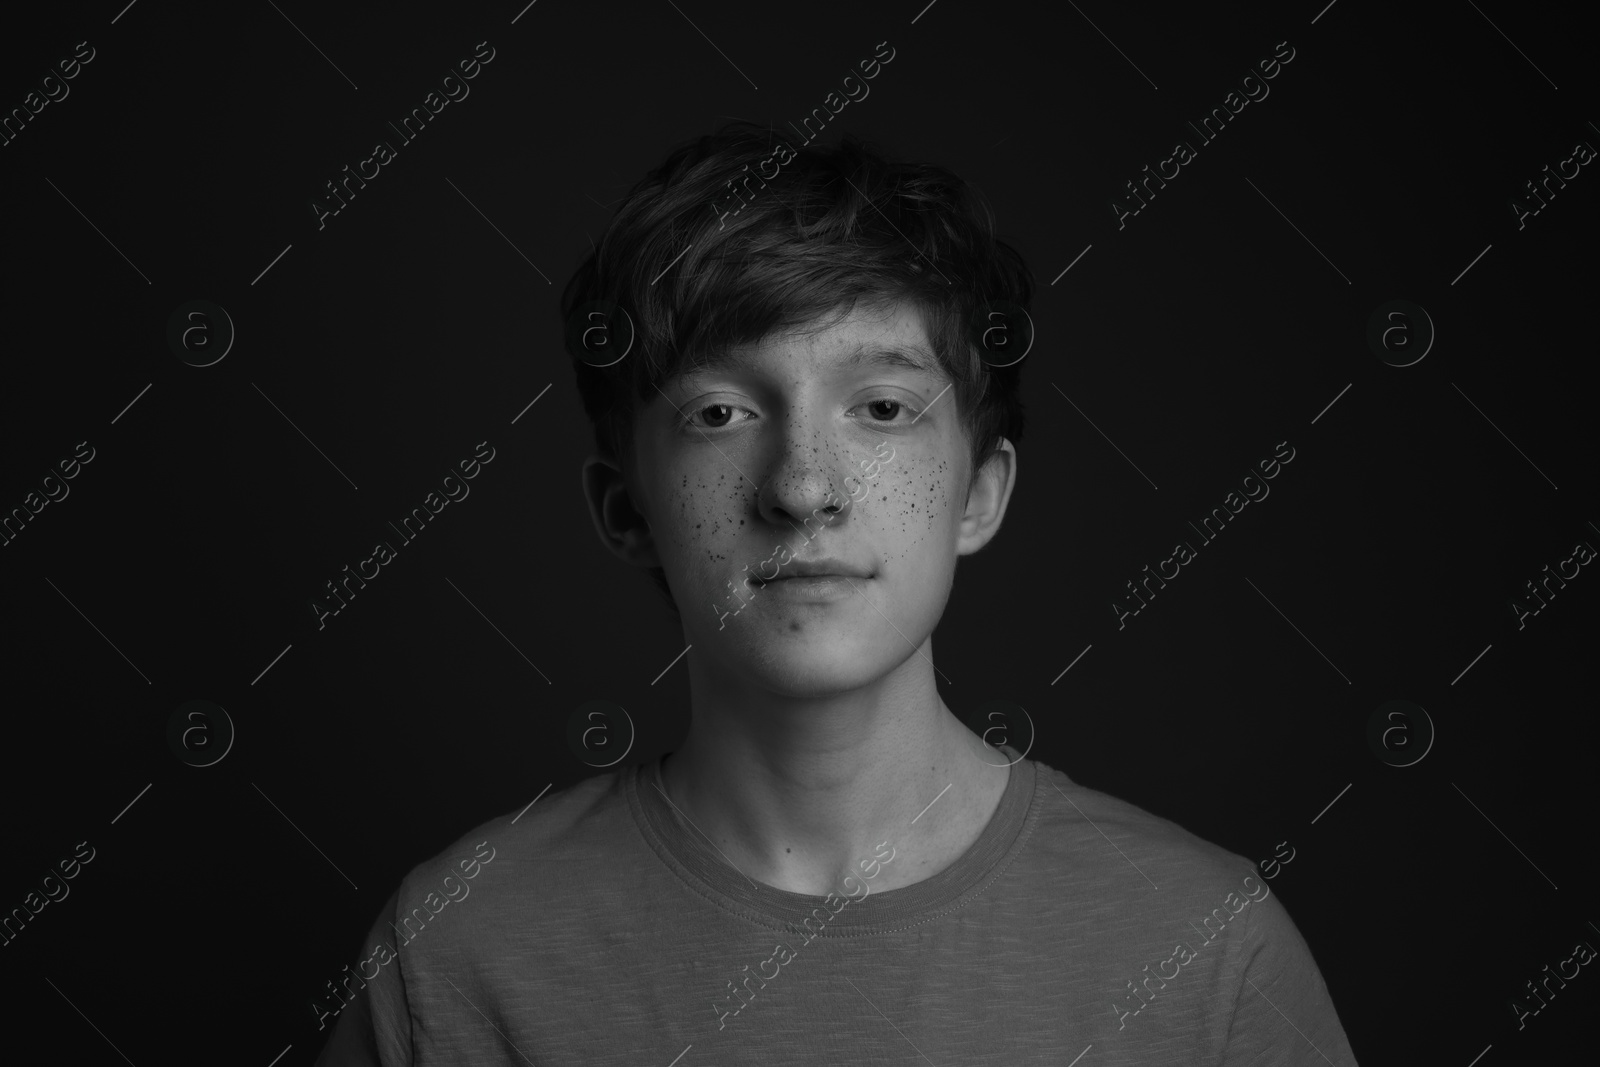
(407,330)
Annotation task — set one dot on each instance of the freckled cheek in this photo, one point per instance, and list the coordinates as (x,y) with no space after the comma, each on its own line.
(698,529)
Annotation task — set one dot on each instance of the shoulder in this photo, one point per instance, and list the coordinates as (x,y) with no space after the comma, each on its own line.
(1107,839)
(536,852)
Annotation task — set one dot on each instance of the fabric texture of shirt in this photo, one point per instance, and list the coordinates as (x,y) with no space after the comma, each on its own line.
(598,928)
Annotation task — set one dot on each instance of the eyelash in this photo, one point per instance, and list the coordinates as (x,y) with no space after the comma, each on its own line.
(687,420)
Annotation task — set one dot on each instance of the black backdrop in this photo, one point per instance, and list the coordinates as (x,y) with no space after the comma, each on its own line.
(370,355)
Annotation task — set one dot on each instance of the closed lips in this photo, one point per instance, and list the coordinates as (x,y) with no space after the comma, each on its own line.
(818,569)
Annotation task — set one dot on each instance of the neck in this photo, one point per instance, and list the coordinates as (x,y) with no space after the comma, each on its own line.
(800,791)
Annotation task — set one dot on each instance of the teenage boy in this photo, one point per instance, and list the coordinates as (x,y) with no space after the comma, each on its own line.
(800,430)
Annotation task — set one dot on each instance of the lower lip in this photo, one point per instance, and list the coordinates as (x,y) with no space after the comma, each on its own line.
(821,587)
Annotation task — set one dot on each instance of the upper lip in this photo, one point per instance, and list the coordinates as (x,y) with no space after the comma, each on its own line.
(817,567)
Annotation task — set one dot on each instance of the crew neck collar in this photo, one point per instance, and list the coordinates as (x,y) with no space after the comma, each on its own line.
(697,863)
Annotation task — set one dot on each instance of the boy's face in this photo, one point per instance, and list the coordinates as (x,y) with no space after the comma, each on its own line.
(803,449)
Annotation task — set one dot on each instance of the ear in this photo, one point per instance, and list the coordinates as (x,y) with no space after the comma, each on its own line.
(987,498)
(617,519)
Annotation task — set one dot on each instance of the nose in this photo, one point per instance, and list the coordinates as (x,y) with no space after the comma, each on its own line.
(803,497)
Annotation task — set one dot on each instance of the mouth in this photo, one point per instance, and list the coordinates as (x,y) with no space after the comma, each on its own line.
(819,577)
(813,589)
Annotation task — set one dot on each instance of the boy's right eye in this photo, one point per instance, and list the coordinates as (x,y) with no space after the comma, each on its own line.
(714,421)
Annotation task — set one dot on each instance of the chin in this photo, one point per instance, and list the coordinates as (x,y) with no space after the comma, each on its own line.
(804,656)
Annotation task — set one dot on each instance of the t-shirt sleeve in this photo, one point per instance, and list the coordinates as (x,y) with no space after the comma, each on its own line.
(1282,1014)
(374,1029)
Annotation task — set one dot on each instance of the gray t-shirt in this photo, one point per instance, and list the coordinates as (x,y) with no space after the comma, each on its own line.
(597,928)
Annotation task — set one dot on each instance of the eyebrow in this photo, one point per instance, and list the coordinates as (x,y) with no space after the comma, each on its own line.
(878,354)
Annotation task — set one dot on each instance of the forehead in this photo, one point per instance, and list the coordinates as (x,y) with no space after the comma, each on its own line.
(892,337)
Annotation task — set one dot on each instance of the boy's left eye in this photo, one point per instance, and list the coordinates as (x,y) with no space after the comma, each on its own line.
(875,407)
